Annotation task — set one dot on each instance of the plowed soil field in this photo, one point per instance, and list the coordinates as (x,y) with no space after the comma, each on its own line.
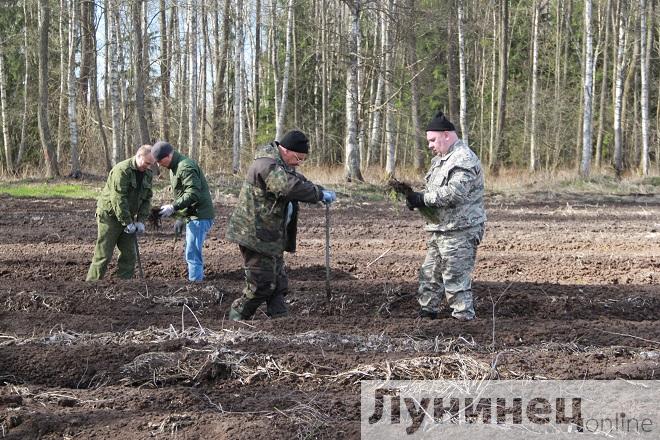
(567,287)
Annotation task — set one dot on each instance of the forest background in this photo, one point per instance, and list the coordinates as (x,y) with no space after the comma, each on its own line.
(542,85)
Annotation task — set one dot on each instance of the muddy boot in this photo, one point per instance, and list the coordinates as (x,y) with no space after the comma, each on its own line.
(425,313)
(276,307)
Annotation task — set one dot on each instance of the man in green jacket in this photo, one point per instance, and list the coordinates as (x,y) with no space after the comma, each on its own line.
(192,202)
(121,209)
(264,222)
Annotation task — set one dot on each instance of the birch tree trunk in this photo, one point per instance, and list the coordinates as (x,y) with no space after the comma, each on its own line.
(390,162)
(94,97)
(139,70)
(603,87)
(376,135)
(50,159)
(587,85)
(462,74)
(352,154)
(535,63)
(279,128)
(645,61)
(192,91)
(501,85)
(164,73)
(238,88)
(63,78)
(418,150)
(26,83)
(113,22)
(71,92)
(9,164)
(220,71)
(618,90)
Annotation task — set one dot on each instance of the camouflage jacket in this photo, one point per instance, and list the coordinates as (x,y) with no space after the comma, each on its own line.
(123,195)
(259,221)
(455,190)
(191,192)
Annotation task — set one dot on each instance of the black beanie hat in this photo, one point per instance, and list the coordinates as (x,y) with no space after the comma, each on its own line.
(161,149)
(296,141)
(440,123)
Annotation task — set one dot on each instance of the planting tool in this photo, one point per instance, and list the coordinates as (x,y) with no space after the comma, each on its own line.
(328,293)
(137,253)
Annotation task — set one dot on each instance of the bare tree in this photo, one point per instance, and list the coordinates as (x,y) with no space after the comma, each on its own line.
(390,162)
(238,88)
(352,166)
(587,85)
(139,70)
(462,74)
(26,85)
(71,91)
(622,24)
(44,130)
(645,52)
(9,165)
(113,24)
(494,163)
(535,63)
(192,71)
(603,85)
(279,128)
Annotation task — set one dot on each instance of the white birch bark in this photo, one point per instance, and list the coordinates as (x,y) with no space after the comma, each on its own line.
(115,102)
(238,89)
(535,62)
(9,165)
(63,77)
(26,82)
(192,81)
(587,85)
(462,74)
(376,112)
(71,90)
(618,91)
(644,61)
(390,161)
(279,129)
(352,152)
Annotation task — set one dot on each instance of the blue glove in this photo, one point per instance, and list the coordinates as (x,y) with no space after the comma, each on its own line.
(329,196)
(130,228)
(139,227)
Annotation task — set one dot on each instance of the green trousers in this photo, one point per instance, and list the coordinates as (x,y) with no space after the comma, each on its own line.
(110,234)
(265,281)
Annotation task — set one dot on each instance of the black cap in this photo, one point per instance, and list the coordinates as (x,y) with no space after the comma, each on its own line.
(296,141)
(161,149)
(440,123)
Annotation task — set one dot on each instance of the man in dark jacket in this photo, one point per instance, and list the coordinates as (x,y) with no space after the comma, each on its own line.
(121,209)
(264,222)
(192,202)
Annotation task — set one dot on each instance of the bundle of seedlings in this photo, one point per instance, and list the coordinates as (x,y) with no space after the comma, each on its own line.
(397,190)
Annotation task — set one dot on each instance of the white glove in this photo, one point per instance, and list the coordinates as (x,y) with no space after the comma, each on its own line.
(139,226)
(131,228)
(166,210)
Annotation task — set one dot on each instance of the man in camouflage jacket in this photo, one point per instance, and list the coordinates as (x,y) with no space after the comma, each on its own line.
(455,192)
(121,209)
(192,201)
(264,222)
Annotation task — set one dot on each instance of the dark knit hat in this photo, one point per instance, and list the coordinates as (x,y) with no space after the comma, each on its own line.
(440,123)
(296,141)
(161,149)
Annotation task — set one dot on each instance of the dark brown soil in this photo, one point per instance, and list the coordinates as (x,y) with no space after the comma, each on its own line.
(567,287)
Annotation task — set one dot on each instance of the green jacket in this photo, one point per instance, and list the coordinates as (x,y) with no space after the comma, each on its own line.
(191,192)
(123,195)
(269,197)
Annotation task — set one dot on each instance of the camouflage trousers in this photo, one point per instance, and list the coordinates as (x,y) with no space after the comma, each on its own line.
(448,269)
(265,281)
(110,234)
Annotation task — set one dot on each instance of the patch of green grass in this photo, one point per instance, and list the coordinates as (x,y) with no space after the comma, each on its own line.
(45,190)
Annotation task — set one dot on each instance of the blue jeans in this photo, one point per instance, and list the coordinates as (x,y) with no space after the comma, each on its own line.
(196,231)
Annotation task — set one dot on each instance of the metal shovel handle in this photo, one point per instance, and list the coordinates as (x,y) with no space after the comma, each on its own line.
(328,292)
